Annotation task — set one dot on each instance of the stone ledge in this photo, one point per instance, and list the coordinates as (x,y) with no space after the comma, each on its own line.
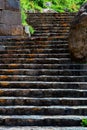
(43,128)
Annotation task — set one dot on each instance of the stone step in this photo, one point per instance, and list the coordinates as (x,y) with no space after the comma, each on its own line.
(32,40)
(58,36)
(28,50)
(59,27)
(52,28)
(62,22)
(39,35)
(45,49)
(51,14)
(43,44)
(46,71)
(50,34)
(65,23)
(40,55)
(41,50)
(47,46)
(52,31)
(43,78)
(43,85)
(49,30)
(41,120)
(43,110)
(50,18)
(30,101)
(56,25)
(41,93)
(29,40)
(43,128)
(41,72)
(35,60)
(63,38)
(36,43)
(43,66)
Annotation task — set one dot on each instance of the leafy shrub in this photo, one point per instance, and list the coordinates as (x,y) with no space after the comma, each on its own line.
(84,122)
(57,5)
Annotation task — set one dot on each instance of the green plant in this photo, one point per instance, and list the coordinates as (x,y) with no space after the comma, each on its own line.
(26,5)
(31,29)
(84,122)
(57,5)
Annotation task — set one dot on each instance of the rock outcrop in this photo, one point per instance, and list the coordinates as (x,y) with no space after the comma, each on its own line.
(78,35)
(10,18)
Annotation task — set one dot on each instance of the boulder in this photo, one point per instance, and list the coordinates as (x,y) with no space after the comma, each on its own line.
(78,35)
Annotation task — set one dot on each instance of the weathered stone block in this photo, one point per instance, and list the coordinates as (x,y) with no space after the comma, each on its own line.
(78,35)
(2,4)
(10,17)
(0,15)
(12,5)
(14,30)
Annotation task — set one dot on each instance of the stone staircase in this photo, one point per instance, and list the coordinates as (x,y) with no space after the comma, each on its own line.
(39,84)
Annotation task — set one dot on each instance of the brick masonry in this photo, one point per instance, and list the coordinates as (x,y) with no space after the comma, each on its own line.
(10,18)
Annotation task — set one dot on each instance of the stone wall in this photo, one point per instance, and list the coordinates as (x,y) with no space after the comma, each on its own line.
(10,18)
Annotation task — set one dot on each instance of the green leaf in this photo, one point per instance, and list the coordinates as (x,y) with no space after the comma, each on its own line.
(84,122)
